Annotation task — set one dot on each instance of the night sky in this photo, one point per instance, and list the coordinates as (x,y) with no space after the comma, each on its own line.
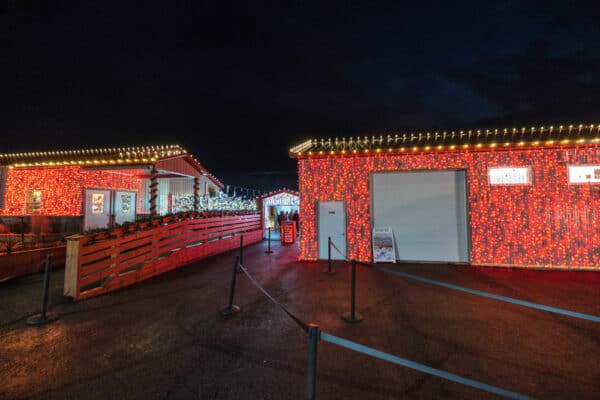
(238,84)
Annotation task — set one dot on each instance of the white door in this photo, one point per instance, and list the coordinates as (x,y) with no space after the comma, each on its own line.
(124,206)
(97,208)
(332,224)
(427,211)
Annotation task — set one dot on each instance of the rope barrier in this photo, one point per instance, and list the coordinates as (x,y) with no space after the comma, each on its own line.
(524,303)
(320,335)
(555,310)
(296,319)
(419,367)
(339,251)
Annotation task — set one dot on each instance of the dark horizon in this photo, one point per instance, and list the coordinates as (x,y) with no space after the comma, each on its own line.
(237,85)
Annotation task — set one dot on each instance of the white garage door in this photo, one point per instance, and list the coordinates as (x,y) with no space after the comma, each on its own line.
(426,210)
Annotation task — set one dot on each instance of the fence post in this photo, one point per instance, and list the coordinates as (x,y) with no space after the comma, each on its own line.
(269,251)
(44,317)
(241,257)
(328,270)
(352,316)
(231,309)
(311,369)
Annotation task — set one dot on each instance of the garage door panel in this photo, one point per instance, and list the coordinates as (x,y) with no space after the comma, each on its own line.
(427,211)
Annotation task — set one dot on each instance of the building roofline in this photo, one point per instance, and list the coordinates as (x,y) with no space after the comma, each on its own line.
(478,139)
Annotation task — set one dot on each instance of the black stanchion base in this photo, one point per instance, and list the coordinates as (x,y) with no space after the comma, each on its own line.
(328,272)
(347,316)
(229,311)
(268,251)
(37,320)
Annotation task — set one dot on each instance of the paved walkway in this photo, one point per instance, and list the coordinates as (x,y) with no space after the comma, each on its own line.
(162,339)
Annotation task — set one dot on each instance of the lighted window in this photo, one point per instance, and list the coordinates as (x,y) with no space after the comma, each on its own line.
(33,204)
(510,176)
(584,174)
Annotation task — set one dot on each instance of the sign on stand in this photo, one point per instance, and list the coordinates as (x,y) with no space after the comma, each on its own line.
(288,232)
(384,249)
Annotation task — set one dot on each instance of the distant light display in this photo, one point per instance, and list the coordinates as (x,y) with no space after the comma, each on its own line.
(549,222)
(286,199)
(61,189)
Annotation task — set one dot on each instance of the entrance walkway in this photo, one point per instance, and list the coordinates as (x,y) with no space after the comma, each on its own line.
(163,339)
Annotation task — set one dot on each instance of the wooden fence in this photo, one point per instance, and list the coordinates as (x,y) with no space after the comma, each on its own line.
(28,262)
(107,261)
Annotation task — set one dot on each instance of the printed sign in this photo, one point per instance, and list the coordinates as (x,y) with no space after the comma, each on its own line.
(125,203)
(509,176)
(288,232)
(384,249)
(97,203)
(584,174)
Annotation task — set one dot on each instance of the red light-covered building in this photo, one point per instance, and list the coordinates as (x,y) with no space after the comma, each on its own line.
(527,197)
(75,190)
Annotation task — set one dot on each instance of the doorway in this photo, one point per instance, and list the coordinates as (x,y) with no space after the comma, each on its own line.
(97,209)
(332,224)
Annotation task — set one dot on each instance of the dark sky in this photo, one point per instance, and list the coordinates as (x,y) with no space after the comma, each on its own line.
(238,83)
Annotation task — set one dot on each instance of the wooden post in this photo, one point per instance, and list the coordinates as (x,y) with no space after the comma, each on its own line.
(71,286)
(196,194)
(153,190)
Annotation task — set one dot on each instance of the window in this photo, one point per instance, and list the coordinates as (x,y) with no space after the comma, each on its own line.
(510,176)
(584,173)
(33,204)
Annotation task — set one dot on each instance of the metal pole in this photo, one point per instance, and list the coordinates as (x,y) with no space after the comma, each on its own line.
(44,317)
(231,309)
(269,242)
(311,369)
(328,270)
(352,316)
(241,257)
(23,231)
(353,290)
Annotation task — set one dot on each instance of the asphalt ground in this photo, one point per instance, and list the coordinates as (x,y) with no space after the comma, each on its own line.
(163,338)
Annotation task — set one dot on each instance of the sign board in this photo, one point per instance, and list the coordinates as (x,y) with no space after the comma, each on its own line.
(509,176)
(584,173)
(288,232)
(384,249)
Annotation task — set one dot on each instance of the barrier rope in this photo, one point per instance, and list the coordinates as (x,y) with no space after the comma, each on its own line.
(296,319)
(380,354)
(339,251)
(419,367)
(555,310)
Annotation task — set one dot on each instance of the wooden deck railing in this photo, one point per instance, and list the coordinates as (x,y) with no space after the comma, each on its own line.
(108,261)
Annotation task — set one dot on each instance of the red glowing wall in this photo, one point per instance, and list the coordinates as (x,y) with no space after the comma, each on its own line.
(548,223)
(62,188)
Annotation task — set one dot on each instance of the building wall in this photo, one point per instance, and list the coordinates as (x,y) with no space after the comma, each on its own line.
(547,223)
(62,188)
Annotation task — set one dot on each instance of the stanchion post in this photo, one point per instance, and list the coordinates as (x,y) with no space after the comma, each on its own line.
(231,309)
(44,317)
(352,316)
(311,369)
(269,242)
(328,270)
(329,254)
(241,257)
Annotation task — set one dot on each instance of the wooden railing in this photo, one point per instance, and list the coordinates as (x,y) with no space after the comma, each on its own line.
(107,261)
(27,262)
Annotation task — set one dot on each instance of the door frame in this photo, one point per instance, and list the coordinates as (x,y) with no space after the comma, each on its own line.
(468,233)
(318,224)
(108,203)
